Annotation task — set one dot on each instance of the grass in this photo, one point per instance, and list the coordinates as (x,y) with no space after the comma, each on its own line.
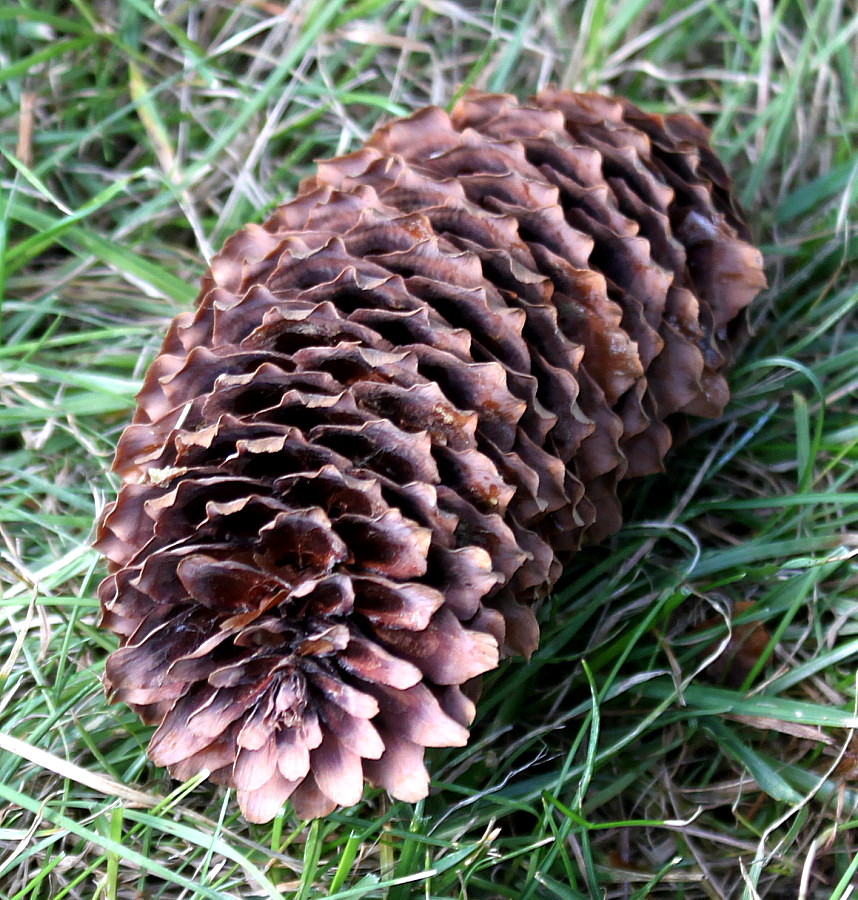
(135,138)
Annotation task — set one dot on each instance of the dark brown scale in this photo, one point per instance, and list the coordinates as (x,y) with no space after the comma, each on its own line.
(399,407)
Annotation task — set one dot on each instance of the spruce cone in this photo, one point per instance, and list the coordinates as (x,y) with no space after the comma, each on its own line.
(398,408)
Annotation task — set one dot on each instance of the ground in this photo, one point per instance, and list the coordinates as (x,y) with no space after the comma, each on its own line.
(643,751)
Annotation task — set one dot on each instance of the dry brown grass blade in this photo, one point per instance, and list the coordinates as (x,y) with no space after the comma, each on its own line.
(65,769)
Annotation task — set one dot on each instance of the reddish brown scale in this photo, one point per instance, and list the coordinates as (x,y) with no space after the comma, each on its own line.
(399,407)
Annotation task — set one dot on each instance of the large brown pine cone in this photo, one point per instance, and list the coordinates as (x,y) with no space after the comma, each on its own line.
(398,408)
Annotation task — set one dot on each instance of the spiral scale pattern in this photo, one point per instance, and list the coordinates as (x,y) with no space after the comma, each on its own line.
(399,407)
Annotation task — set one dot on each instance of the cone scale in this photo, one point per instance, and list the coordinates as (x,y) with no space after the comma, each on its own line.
(398,408)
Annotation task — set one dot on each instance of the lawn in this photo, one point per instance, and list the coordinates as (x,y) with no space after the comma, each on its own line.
(687,727)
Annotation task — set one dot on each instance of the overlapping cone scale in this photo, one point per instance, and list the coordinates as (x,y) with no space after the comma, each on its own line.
(398,408)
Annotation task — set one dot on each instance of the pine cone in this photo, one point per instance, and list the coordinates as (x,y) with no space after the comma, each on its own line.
(398,408)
